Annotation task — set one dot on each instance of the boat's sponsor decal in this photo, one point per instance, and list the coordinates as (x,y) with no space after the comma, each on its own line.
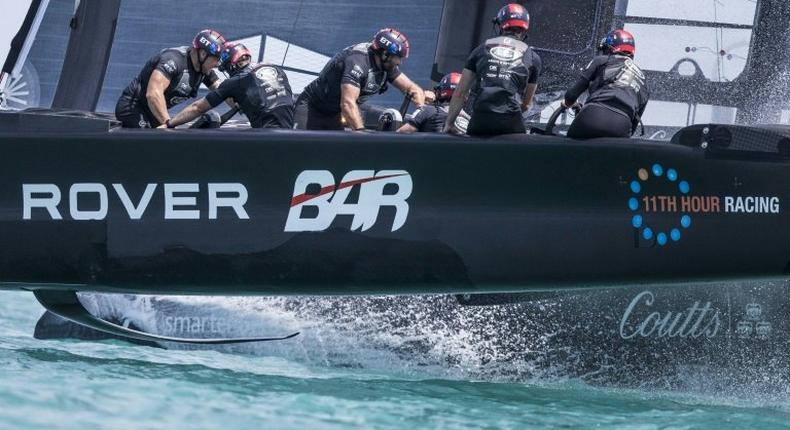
(318,189)
(645,318)
(753,325)
(90,201)
(649,198)
(642,320)
(196,325)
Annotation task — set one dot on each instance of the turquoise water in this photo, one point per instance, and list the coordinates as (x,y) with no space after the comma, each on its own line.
(113,385)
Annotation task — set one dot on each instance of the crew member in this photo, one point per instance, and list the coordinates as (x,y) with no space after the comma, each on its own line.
(502,75)
(431,117)
(170,77)
(261,91)
(618,91)
(350,78)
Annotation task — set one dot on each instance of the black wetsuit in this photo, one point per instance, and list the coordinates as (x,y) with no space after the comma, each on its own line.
(618,97)
(132,108)
(263,94)
(431,119)
(504,67)
(318,107)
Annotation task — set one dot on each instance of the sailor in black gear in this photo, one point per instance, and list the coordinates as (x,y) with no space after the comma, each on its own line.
(350,78)
(502,75)
(431,117)
(169,78)
(261,91)
(618,91)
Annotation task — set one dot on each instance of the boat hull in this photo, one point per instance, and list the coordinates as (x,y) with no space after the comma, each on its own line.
(250,213)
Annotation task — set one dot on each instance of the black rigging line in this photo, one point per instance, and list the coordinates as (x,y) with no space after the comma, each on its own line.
(293,30)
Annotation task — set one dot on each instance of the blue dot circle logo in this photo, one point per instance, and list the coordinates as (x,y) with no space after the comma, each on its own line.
(639,221)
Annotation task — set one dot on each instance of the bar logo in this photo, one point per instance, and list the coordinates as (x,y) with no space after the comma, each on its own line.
(318,199)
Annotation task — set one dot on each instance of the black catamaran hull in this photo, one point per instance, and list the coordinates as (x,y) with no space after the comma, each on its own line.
(246,213)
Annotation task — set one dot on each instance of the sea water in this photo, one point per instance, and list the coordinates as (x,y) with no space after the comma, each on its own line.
(342,372)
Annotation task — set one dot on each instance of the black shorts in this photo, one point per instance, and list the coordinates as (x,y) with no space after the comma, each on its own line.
(307,118)
(492,124)
(131,114)
(596,120)
(279,117)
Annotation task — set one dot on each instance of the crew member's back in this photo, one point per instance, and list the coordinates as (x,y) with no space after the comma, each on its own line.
(263,94)
(618,91)
(504,67)
(500,77)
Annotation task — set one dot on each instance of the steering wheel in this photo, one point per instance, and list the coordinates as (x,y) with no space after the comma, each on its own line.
(549,130)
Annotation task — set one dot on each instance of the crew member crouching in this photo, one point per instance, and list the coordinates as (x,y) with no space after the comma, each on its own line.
(169,78)
(261,91)
(351,77)
(430,118)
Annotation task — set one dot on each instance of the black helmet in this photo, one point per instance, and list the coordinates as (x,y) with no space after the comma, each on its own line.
(232,54)
(446,87)
(512,16)
(210,41)
(618,42)
(391,42)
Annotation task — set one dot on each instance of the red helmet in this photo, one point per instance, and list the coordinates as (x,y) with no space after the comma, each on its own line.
(512,15)
(210,41)
(391,42)
(446,87)
(618,42)
(232,53)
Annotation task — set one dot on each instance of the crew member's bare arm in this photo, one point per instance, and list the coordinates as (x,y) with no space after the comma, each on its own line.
(529,94)
(349,94)
(408,87)
(191,112)
(155,95)
(459,97)
(407,129)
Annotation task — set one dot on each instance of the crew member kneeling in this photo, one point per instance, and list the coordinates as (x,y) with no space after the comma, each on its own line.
(170,78)
(618,91)
(504,71)
(351,77)
(262,92)
(431,117)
